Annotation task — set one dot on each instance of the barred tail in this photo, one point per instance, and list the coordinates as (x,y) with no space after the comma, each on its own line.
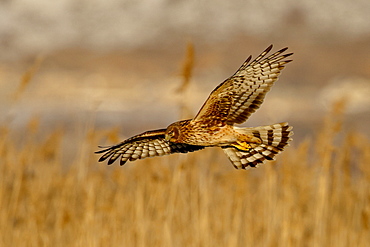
(273,140)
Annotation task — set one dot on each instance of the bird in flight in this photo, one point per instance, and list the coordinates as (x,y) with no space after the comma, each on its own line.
(230,103)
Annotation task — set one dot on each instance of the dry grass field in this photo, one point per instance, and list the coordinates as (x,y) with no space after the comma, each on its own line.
(317,193)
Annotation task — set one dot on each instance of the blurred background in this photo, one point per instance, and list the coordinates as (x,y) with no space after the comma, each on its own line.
(78,73)
(119,63)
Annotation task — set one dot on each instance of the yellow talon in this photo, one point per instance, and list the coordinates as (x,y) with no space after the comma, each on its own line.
(242,146)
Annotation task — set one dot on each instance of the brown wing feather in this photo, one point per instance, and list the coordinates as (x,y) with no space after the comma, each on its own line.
(147,144)
(246,88)
(217,110)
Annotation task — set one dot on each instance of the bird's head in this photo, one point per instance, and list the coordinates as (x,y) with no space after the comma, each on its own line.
(172,133)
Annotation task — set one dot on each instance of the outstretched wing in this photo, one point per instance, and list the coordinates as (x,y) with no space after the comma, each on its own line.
(147,144)
(243,93)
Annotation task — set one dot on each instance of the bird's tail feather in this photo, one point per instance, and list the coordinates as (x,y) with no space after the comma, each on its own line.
(273,140)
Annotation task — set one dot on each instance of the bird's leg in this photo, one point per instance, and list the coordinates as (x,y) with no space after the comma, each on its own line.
(246,142)
(244,146)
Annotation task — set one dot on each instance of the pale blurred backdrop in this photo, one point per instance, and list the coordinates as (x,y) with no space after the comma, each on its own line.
(75,74)
(119,62)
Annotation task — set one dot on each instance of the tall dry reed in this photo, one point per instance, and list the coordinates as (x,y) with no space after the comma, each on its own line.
(316,194)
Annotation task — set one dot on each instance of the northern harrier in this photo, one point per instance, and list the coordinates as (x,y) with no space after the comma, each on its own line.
(232,102)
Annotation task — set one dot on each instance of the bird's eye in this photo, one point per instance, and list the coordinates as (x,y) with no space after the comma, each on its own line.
(173,133)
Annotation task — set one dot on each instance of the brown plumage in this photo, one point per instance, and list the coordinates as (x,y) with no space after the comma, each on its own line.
(232,102)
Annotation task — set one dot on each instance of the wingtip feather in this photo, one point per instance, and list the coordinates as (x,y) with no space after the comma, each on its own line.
(122,162)
(111,161)
(102,159)
(268,49)
(283,49)
(99,152)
